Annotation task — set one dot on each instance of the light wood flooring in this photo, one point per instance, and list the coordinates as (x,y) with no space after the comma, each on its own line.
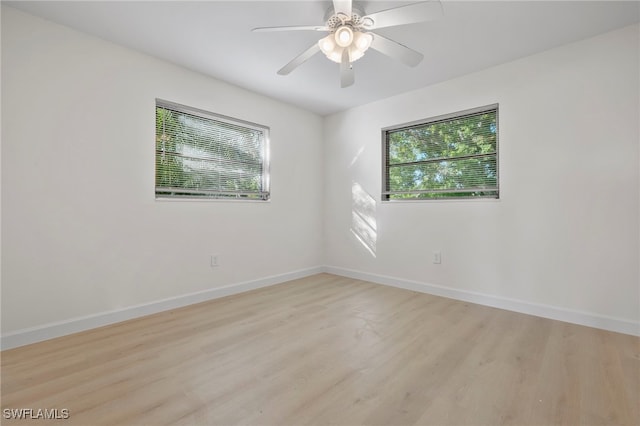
(331,350)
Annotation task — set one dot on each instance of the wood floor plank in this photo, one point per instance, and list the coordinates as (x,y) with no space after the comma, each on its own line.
(330,350)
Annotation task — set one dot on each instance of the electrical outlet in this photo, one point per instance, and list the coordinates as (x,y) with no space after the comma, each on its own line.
(214,261)
(437,257)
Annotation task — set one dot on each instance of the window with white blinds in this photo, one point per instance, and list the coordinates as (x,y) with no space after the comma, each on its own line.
(204,155)
(448,157)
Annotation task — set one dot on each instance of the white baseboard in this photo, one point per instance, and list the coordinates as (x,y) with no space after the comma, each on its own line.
(546,311)
(75,325)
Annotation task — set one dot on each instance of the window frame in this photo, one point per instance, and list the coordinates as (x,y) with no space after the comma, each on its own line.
(219,195)
(385,193)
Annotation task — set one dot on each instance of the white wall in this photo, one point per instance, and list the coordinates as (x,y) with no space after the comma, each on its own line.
(82,233)
(564,234)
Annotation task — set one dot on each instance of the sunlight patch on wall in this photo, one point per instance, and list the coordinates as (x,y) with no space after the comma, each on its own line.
(355,158)
(363,218)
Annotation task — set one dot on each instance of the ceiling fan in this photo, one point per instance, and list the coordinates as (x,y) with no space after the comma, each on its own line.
(350,35)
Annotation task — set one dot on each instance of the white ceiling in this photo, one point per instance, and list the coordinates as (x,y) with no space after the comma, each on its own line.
(215,38)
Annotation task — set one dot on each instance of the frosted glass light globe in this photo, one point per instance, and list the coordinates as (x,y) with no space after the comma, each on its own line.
(344,36)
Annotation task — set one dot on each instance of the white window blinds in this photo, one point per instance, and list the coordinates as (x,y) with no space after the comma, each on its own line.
(452,156)
(203,155)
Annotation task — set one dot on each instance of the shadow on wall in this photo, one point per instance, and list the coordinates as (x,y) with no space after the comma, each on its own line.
(363,218)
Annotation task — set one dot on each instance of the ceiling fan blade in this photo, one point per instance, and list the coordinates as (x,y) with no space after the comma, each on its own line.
(410,14)
(342,6)
(300,59)
(396,50)
(292,28)
(347,76)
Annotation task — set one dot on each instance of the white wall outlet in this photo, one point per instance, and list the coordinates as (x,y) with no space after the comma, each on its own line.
(215,261)
(437,257)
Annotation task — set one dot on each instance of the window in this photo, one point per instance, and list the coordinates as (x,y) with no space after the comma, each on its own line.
(203,155)
(451,156)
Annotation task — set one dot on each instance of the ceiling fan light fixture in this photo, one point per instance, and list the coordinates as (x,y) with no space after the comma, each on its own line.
(362,41)
(344,36)
(327,44)
(330,49)
(333,50)
(355,54)
(336,55)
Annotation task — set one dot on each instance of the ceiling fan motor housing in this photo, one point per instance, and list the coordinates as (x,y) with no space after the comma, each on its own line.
(336,20)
